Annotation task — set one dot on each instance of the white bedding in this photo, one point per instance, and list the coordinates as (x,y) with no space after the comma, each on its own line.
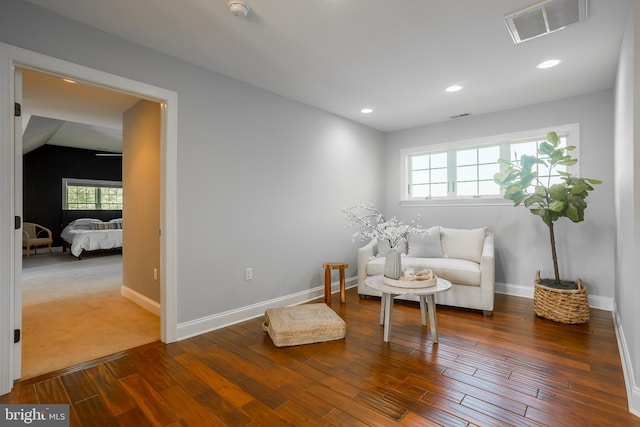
(82,239)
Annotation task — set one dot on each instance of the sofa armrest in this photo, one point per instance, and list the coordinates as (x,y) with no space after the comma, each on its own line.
(365,253)
(487,270)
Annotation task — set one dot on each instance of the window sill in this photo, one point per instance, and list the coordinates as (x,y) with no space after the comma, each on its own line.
(497,201)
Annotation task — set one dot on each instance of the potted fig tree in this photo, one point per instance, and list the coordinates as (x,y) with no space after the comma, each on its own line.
(544,186)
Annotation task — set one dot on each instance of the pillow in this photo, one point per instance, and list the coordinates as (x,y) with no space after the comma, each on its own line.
(426,244)
(463,244)
(383,247)
(99,225)
(83,223)
(106,225)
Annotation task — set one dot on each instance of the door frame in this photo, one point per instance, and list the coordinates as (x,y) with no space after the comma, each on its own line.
(11,57)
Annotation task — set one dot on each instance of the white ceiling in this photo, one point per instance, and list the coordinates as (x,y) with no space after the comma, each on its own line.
(395,56)
(57,112)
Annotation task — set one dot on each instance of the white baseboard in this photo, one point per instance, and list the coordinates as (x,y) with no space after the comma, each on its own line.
(601,303)
(221,320)
(633,389)
(143,301)
(227,318)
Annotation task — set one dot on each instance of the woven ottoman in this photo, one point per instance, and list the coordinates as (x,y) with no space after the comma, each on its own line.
(303,324)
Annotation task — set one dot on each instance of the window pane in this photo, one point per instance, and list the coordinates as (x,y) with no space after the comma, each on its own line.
(439,160)
(439,175)
(102,195)
(555,180)
(467,173)
(420,162)
(467,157)
(467,188)
(420,191)
(529,148)
(439,190)
(487,171)
(420,177)
(488,188)
(489,154)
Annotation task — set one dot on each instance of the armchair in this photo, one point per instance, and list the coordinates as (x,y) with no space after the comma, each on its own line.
(34,235)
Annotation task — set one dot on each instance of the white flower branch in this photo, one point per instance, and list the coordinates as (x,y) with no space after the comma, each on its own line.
(373,225)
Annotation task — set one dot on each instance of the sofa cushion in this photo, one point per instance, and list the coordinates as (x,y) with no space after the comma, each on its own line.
(383,247)
(458,271)
(463,244)
(425,245)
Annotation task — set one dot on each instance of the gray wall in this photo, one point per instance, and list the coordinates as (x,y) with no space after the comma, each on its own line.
(586,249)
(627,203)
(261,179)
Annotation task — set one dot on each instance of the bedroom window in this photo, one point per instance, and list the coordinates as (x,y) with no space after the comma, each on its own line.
(87,194)
(462,172)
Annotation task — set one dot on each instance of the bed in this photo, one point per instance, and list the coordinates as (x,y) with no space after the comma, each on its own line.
(91,234)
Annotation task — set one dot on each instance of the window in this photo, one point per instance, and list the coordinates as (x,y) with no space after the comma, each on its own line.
(463,171)
(86,194)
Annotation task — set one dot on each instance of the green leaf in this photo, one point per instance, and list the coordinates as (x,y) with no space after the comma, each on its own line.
(558,192)
(568,161)
(556,206)
(580,187)
(535,199)
(573,213)
(556,156)
(553,138)
(545,148)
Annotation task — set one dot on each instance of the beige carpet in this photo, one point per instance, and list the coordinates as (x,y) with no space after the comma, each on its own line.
(73,312)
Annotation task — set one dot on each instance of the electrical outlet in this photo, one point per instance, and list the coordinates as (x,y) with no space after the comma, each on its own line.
(155,274)
(248,273)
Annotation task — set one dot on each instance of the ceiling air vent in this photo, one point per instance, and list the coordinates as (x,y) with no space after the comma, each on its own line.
(544,17)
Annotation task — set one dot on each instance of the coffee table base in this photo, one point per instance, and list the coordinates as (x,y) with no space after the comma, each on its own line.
(426,302)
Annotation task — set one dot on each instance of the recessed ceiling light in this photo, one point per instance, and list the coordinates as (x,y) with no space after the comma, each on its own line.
(68,80)
(454,88)
(548,63)
(366,110)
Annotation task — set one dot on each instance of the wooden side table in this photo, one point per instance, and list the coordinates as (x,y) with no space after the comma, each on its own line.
(328,266)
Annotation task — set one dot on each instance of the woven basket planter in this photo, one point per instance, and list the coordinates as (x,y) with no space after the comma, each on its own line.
(560,305)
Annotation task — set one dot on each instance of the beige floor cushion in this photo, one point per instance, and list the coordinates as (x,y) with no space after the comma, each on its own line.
(303,324)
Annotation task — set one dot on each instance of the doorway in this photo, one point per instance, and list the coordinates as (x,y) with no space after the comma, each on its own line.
(76,311)
(12,57)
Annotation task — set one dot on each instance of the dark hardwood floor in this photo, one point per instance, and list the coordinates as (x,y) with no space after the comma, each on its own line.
(509,369)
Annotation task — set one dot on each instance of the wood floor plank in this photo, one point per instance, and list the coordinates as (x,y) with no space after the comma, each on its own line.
(227,389)
(92,409)
(512,368)
(116,399)
(78,386)
(189,409)
(150,402)
(231,415)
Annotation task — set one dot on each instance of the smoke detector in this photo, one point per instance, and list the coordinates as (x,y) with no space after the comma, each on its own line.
(544,17)
(238,7)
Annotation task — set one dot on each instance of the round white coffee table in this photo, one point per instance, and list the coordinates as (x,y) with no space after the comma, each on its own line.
(426,296)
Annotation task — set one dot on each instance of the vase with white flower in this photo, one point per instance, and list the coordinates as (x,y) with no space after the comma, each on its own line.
(391,234)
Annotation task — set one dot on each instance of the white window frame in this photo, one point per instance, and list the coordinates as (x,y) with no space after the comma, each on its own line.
(571,131)
(86,183)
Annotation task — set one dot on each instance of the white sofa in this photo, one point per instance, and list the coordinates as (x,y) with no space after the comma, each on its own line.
(463,257)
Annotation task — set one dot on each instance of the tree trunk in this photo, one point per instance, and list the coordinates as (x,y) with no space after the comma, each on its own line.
(553,253)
